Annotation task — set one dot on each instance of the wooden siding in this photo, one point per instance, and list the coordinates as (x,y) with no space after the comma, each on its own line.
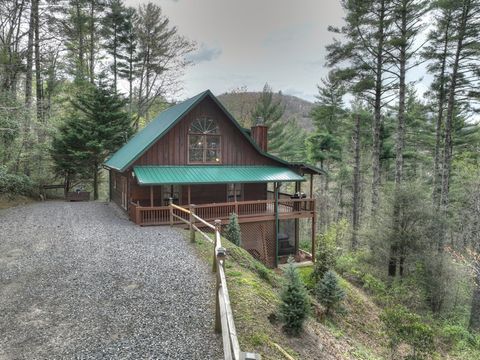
(172,149)
(199,194)
(204,194)
(116,192)
(255,191)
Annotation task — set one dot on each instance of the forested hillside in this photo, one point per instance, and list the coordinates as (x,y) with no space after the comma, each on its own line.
(399,206)
(241,103)
(64,64)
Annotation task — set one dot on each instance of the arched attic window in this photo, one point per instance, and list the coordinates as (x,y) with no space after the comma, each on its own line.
(204,142)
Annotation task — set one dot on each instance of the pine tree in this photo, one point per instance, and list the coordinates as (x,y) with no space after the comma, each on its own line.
(325,145)
(328,112)
(232,231)
(270,113)
(293,147)
(115,31)
(285,137)
(326,256)
(464,78)
(128,60)
(98,127)
(295,305)
(362,62)
(161,52)
(70,158)
(437,52)
(408,20)
(74,30)
(329,292)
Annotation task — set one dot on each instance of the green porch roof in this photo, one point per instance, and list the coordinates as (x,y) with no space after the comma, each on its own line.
(215,174)
(159,126)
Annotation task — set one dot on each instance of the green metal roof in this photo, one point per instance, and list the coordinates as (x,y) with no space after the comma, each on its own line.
(137,145)
(214,174)
(159,126)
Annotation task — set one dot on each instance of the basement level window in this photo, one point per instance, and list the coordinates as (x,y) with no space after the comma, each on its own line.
(204,142)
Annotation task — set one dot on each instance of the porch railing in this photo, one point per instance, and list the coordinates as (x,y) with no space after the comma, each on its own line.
(224,322)
(160,215)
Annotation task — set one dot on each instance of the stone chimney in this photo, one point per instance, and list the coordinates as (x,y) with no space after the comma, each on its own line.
(259,133)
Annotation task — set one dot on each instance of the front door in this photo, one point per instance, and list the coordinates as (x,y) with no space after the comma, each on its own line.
(234,192)
(171,191)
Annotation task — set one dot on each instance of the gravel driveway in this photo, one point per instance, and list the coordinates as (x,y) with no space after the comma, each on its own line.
(80,281)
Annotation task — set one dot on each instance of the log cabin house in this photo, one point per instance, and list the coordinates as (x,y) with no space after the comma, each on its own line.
(197,154)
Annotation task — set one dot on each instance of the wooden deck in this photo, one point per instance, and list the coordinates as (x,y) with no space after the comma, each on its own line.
(247,211)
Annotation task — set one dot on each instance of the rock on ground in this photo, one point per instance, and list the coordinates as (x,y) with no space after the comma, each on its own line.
(80,281)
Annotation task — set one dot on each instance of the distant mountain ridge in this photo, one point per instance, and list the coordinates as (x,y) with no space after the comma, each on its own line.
(241,104)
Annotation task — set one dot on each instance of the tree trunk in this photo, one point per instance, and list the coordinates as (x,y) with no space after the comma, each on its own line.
(38,73)
(130,85)
(81,46)
(29,69)
(356,184)
(448,147)
(377,119)
(474,323)
(399,146)
(437,175)
(92,41)
(400,138)
(115,39)
(95,182)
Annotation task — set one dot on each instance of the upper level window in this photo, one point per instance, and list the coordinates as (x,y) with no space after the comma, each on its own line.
(204,141)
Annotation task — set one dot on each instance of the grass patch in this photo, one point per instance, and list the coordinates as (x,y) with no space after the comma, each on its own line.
(354,333)
(9,201)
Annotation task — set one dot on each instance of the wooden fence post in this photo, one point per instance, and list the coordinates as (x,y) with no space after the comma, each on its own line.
(218,227)
(138,218)
(220,255)
(192,220)
(170,202)
(314,235)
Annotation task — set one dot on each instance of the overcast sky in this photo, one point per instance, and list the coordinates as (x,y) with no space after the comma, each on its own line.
(250,42)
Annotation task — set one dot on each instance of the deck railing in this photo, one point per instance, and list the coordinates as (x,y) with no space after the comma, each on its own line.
(224,322)
(160,215)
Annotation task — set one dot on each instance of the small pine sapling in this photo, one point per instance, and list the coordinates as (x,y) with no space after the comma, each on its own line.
(232,231)
(295,304)
(325,258)
(329,292)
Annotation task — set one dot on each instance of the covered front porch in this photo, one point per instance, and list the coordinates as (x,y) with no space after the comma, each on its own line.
(268,214)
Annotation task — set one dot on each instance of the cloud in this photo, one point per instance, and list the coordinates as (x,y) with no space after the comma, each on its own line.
(286,35)
(205,53)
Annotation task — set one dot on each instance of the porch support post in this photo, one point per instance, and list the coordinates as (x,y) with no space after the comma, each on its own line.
(151,196)
(311,186)
(298,189)
(189,195)
(276,188)
(170,202)
(192,220)
(314,235)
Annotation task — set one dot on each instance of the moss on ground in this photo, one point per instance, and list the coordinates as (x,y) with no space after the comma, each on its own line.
(354,332)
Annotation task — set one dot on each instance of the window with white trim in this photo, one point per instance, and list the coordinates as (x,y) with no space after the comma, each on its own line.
(204,142)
